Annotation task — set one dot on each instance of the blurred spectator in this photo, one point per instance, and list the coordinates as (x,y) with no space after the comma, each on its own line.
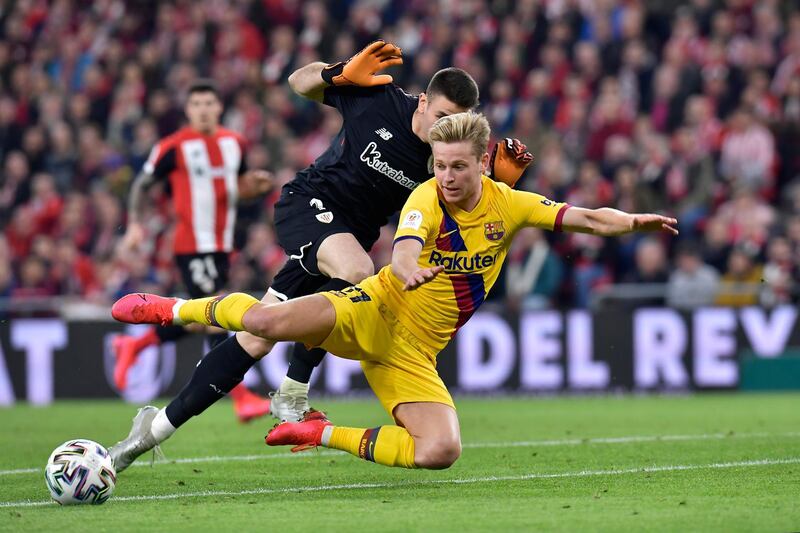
(748,152)
(46,204)
(780,273)
(741,283)
(15,188)
(533,271)
(591,189)
(73,271)
(716,244)
(689,182)
(33,280)
(693,283)
(651,262)
(755,225)
(608,119)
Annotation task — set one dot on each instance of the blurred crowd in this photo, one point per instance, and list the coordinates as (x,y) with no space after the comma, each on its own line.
(686,108)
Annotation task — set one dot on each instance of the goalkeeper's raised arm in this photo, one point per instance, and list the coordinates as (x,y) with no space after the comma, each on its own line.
(311,80)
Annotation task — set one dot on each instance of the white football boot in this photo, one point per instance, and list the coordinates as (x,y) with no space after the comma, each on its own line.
(288,407)
(138,441)
(292,407)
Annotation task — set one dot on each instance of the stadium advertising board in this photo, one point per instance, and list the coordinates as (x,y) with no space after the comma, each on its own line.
(536,352)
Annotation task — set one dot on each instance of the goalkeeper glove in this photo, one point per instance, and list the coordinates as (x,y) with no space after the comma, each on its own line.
(509,160)
(361,68)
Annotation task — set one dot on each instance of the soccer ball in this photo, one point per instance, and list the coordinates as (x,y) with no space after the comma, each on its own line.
(80,471)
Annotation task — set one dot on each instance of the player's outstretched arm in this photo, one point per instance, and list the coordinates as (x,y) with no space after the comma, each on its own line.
(608,222)
(405,266)
(307,81)
(310,81)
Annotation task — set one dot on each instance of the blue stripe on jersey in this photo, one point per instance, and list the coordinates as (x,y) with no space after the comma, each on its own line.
(449,239)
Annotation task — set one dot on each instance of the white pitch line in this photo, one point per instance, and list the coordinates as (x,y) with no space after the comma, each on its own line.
(20,471)
(191,460)
(457,481)
(512,444)
(627,440)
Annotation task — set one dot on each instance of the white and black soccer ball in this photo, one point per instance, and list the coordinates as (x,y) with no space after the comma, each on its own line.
(80,471)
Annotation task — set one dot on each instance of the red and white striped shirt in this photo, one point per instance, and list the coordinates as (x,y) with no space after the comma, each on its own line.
(203,172)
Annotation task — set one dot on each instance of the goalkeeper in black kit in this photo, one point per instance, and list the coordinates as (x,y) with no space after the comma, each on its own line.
(329,217)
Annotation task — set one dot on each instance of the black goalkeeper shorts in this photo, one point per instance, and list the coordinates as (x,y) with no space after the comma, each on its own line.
(302,222)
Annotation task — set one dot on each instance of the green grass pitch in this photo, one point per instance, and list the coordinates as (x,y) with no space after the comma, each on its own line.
(717,462)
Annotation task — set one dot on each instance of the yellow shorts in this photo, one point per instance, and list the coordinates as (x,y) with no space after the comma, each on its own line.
(398,366)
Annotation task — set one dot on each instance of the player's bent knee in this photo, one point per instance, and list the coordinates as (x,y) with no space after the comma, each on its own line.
(438,454)
(356,271)
(265,322)
(256,347)
(363,272)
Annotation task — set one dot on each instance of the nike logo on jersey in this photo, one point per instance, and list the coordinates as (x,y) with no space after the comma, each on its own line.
(442,235)
(384,134)
(372,157)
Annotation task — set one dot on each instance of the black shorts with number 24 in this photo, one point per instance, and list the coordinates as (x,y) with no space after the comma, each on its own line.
(204,274)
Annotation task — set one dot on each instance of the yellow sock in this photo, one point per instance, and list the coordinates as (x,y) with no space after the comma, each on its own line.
(224,312)
(386,445)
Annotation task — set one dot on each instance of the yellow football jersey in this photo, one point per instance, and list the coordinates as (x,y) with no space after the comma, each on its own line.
(471,246)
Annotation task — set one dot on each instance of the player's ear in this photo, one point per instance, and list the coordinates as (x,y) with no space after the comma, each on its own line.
(423,103)
(484,160)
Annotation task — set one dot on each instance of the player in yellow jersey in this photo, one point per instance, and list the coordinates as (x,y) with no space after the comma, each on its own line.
(454,233)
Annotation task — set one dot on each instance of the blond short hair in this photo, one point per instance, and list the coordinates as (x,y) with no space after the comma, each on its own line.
(469,126)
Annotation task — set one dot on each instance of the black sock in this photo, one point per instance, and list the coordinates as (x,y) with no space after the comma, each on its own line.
(170,333)
(219,371)
(214,339)
(304,361)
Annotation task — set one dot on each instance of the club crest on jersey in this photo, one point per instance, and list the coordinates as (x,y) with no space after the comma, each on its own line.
(494,231)
(325,218)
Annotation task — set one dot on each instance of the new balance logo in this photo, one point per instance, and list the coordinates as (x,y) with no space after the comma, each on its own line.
(384,134)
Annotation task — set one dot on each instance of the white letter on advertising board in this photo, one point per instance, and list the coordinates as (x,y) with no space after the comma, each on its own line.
(715,348)
(582,372)
(768,335)
(475,373)
(38,338)
(659,342)
(540,346)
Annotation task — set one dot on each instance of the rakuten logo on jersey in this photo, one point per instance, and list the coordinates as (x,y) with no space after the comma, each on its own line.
(372,157)
(462,263)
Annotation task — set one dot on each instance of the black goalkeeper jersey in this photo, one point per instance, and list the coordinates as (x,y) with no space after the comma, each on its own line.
(375,160)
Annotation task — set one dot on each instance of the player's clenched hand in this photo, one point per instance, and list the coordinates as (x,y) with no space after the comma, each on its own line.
(421,277)
(133,237)
(361,68)
(509,160)
(648,222)
(254,183)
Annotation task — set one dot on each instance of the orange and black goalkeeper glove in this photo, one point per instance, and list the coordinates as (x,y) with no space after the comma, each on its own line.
(509,160)
(361,68)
